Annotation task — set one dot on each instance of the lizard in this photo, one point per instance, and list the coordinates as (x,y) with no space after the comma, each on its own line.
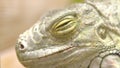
(79,36)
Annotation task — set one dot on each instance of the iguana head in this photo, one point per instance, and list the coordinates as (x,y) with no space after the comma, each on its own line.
(71,37)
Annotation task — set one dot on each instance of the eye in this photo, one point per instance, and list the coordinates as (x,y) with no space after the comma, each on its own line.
(102,32)
(65,28)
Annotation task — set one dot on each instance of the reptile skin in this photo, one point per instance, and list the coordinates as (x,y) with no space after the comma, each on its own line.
(85,35)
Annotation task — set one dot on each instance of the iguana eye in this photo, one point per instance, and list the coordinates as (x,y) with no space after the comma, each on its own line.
(65,28)
(102,32)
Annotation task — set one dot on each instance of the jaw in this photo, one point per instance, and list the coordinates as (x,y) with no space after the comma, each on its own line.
(56,56)
(60,56)
(47,56)
(44,53)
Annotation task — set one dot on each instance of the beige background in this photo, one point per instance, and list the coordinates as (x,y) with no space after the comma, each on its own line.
(15,17)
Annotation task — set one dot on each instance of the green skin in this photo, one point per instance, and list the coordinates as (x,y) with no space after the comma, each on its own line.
(80,36)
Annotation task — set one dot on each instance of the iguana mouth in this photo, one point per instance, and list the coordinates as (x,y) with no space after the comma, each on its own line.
(46,52)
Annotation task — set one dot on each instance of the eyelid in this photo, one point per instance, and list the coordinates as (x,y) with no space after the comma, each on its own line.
(68,29)
(63,23)
(66,24)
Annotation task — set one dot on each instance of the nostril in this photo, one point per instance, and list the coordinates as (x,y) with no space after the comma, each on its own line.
(22,46)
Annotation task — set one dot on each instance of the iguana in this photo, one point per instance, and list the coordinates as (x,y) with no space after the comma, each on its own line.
(85,35)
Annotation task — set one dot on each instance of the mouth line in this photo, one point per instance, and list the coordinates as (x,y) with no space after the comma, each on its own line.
(43,53)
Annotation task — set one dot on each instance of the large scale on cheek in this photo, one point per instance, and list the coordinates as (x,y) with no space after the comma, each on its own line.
(111,61)
(107,59)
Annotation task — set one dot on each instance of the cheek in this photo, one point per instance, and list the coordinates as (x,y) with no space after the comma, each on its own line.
(111,62)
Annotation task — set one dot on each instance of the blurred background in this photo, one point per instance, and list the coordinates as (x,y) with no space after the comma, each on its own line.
(16,16)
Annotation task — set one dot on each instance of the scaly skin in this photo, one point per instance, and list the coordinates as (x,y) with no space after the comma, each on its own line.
(81,36)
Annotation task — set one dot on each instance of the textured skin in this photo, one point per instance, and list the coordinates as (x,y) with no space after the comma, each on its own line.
(85,35)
